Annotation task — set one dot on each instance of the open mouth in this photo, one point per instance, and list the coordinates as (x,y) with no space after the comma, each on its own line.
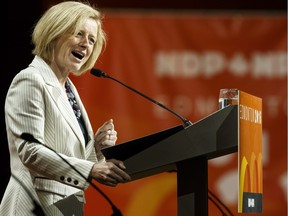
(78,55)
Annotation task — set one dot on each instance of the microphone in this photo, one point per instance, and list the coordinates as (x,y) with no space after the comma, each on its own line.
(30,138)
(99,73)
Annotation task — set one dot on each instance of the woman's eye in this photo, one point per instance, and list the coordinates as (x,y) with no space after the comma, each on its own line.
(92,40)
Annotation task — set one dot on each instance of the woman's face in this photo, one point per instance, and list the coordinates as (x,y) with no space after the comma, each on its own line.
(72,51)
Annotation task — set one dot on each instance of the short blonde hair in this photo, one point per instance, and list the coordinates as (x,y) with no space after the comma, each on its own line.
(63,18)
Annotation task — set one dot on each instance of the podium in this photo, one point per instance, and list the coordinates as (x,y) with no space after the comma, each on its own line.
(185,150)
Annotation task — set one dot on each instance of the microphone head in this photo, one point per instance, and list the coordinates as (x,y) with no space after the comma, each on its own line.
(97,72)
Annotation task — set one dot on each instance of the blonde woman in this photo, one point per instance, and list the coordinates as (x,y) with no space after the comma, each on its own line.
(43,102)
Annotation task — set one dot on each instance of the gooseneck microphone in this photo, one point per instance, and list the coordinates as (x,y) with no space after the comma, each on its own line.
(30,138)
(100,73)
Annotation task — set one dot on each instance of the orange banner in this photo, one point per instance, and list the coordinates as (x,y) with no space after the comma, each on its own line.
(183,60)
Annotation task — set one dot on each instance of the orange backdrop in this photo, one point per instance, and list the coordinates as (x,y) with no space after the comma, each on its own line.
(183,60)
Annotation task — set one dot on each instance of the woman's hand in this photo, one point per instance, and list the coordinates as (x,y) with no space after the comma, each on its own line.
(105,136)
(110,172)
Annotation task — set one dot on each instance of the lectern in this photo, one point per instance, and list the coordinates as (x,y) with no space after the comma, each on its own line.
(185,150)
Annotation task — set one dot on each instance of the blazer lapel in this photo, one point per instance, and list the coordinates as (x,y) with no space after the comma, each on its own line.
(67,112)
(59,97)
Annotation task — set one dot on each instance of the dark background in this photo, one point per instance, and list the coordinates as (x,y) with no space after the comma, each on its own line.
(19,17)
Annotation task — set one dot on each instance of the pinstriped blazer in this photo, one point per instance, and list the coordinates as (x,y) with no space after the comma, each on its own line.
(36,104)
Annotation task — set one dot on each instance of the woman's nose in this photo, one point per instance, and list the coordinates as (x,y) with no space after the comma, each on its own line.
(84,41)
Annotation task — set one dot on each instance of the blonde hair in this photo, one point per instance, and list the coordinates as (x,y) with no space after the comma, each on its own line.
(62,18)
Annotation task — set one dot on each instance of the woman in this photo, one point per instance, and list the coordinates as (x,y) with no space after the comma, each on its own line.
(43,102)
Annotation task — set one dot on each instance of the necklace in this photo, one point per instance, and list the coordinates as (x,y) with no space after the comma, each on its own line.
(72,100)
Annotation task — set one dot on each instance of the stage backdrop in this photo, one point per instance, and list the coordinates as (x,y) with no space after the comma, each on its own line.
(183,60)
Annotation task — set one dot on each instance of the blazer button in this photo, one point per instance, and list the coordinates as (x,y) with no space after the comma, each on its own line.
(69,179)
(76,182)
(62,178)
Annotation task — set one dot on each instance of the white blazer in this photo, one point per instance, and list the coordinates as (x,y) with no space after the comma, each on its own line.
(36,104)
